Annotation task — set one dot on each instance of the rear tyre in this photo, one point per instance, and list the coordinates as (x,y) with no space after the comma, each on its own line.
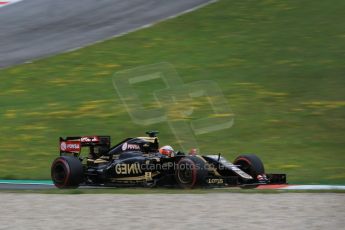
(252,165)
(67,172)
(191,172)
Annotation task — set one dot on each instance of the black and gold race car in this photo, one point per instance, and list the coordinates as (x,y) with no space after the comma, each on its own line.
(138,162)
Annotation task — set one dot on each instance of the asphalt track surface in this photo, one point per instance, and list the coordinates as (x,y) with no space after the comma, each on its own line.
(25,186)
(47,184)
(32,29)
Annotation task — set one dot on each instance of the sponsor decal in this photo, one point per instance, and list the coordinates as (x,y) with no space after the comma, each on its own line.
(215,181)
(89,139)
(126,169)
(70,146)
(126,146)
(63,146)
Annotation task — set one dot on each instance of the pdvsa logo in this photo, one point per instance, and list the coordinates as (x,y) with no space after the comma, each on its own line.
(126,146)
(63,146)
(70,146)
(73,146)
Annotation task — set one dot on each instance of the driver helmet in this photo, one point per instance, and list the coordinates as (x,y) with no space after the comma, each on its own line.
(167,150)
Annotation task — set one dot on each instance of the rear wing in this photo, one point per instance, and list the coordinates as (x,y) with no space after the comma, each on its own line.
(73,145)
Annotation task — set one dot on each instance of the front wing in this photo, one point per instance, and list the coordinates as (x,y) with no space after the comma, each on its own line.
(233,181)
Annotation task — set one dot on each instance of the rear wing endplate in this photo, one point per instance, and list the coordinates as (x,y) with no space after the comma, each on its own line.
(73,145)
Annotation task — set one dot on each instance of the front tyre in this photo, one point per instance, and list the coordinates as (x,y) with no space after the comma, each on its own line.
(252,165)
(191,172)
(67,172)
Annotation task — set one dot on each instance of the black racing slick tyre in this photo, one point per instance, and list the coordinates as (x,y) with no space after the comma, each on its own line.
(191,172)
(67,172)
(250,164)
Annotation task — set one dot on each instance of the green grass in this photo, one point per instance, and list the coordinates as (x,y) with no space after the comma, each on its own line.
(280,65)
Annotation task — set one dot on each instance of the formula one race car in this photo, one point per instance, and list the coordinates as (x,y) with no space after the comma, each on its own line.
(138,162)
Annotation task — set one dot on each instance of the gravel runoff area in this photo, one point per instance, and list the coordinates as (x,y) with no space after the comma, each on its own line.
(186,211)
